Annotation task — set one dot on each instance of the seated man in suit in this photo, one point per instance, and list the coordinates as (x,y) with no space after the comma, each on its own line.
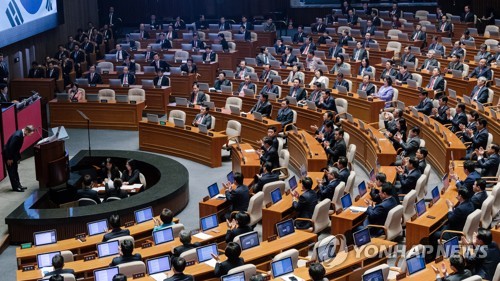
(459,118)
(334,50)
(403,75)
(52,72)
(36,71)
(58,264)
(247,84)
(342,166)
(242,70)
(479,189)
(268,153)
(444,25)
(440,113)
(237,225)
(408,176)
(232,252)
(116,231)
(370,28)
(412,144)
(480,92)
(418,34)
(166,220)
(391,120)
(189,67)
(425,105)
(269,25)
(478,139)
(352,19)
(126,249)
(485,256)
(377,214)
(208,56)
(337,148)
(489,163)
(307,46)
(238,197)
(457,50)
(179,264)
(266,72)
(120,54)
(197,97)
(164,43)
(161,79)
(323,38)
(93,77)
(481,70)
(430,62)
(455,64)
(185,239)
(326,188)
(129,64)
(127,78)
(471,176)
(288,59)
(285,114)
(366,85)
(341,82)
(304,204)
(245,23)
(436,82)
(86,191)
(457,265)
(296,91)
(248,35)
(221,81)
(299,36)
(149,54)
(196,43)
(267,176)
(327,101)
(203,117)
(160,64)
(279,46)
(407,55)
(263,106)
(421,156)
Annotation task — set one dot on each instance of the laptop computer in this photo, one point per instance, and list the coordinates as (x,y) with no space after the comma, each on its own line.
(163,235)
(451,247)
(282,268)
(209,222)
(147,84)
(376,275)
(248,92)
(148,69)
(204,253)
(361,237)
(230,177)
(493,114)
(452,94)
(226,89)
(121,98)
(143,215)
(157,266)
(239,276)
(202,128)
(415,264)
(362,94)
(346,201)
(467,100)
(362,188)
(361,125)
(179,123)
(82,82)
(62,97)
(209,104)
(276,195)
(285,228)
(235,110)
(311,105)
(414,112)
(412,83)
(107,249)
(403,37)
(97,227)
(480,106)
(342,89)
(292,100)
(181,101)
(427,120)
(105,274)
(249,240)
(45,259)
(456,73)
(420,207)
(92,97)
(45,237)
(292,182)
(327,251)
(435,194)
(152,118)
(257,116)
(213,190)
(115,82)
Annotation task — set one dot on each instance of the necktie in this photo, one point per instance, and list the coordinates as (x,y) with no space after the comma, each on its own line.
(431,86)
(357,55)
(111,19)
(208,57)
(51,71)
(159,81)
(158,65)
(287,58)
(120,56)
(125,79)
(266,59)
(195,98)
(294,92)
(416,35)
(169,36)
(91,77)
(306,50)
(364,87)
(147,56)
(427,64)
(319,27)
(315,95)
(199,120)
(195,44)
(474,96)
(442,27)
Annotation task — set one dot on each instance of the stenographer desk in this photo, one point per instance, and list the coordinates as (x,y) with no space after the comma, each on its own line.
(305,150)
(107,115)
(186,143)
(245,159)
(495,232)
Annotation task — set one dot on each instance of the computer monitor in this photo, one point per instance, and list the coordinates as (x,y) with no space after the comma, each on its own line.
(230,177)
(163,235)
(106,249)
(209,222)
(376,275)
(240,276)
(282,267)
(361,237)
(276,195)
(204,253)
(435,194)
(105,274)
(451,246)
(415,264)
(373,175)
(346,201)
(292,182)
(249,240)
(143,215)
(285,228)
(45,237)
(97,227)
(327,251)
(362,188)
(158,265)
(446,181)
(213,190)
(420,207)
(45,259)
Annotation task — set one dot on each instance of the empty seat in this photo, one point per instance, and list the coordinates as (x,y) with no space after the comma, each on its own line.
(131,268)
(135,94)
(106,94)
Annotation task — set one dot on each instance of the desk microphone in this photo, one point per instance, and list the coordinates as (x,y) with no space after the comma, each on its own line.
(38,131)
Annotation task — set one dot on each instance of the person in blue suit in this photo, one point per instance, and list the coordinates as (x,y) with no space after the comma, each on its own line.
(472,176)
(377,214)
(326,189)
(304,204)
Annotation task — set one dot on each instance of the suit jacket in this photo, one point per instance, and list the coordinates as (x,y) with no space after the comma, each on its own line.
(198,44)
(444,27)
(212,56)
(336,150)
(262,108)
(180,277)
(421,165)
(300,94)
(478,198)
(418,35)
(327,191)
(97,79)
(311,45)
(271,155)
(344,174)
(299,37)
(185,247)
(458,216)
(486,55)
(468,182)
(378,214)
(185,68)
(458,119)
(88,193)
(341,83)
(60,271)
(201,98)
(456,276)
(361,54)
(164,81)
(248,35)
(370,29)
(130,77)
(250,86)
(457,51)
(12,149)
(467,17)
(441,117)
(334,52)
(131,66)
(484,260)
(241,73)
(230,234)
(78,57)
(88,47)
(285,116)
(478,72)
(113,193)
(353,20)
(269,27)
(480,94)
(370,88)
(428,63)
(150,57)
(376,21)
(315,96)
(409,180)
(425,106)
(411,146)
(288,60)
(489,165)
(239,198)
(125,259)
(438,83)
(36,72)
(479,139)
(224,26)
(115,233)
(206,120)
(408,58)
(247,25)
(163,65)
(344,39)
(265,178)
(455,66)
(154,25)
(165,44)
(60,54)
(305,207)
(319,28)
(328,104)
(124,54)
(218,83)
(222,268)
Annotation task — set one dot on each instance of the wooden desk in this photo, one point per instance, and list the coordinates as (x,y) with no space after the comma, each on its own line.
(428,273)
(189,144)
(496,234)
(208,73)
(116,116)
(216,205)
(281,210)
(245,160)
(156,99)
(306,150)
(182,84)
(22,87)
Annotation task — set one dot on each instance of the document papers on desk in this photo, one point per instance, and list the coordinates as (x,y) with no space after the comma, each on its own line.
(249,150)
(159,276)
(130,187)
(358,209)
(202,236)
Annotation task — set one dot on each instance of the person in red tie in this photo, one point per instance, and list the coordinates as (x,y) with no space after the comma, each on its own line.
(366,85)
(203,118)
(296,91)
(197,97)
(247,84)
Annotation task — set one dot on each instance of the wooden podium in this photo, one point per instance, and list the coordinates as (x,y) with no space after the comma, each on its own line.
(51,163)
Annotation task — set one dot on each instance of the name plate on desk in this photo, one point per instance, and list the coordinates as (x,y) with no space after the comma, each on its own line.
(105,72)
(133,102)
(210,134)
(414,217)
(138,275)
(26,246)
(125,85)
(28,267)
(318,110)
(244,115)
(401,276)
(73,100)
(218,110)
(92,85)
(188,128)
(129,223)
(191,105)
(350,95)
(146,245)
(205,198)
(269,204)
(163,123)
(80,236)
(189,263)
(439,259)
(104,101)
(272,238)
(265,121)
(89,258)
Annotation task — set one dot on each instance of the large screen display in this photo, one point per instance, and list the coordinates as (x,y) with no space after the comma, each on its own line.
(21,19)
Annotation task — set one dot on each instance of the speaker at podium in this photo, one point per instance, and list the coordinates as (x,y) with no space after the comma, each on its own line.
(51,159)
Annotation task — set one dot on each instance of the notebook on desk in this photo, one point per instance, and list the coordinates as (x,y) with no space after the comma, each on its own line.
(456,73)
(82,82)
(326,251)
(362,94)
(376,275)
(248,92)
(341,89)
(204,253)
(420,207)
(213,190)
(62,97)
(361,237)
(239,276)
(292,100)
(115,82)
(451,247)
(311,105)
(283,269)
(346,201)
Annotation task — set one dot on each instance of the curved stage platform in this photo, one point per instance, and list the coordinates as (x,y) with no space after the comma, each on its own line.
(168,187)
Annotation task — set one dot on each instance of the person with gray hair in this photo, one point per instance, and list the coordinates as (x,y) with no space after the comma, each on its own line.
(480,92)
(327,187)
(185,238)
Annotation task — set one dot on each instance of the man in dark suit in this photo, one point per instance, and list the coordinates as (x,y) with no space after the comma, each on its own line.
(370,28)
(366,85)
(248,35)
(245,23)
(285,114)
(221,81)
(288,59)
(421,156)
(197,97)
(319,27)
(189,67)
(391,120)
(165,44)
(120,54)
(86,191)
(267,176)
(36,71)
(129,64)
(454,64)
(12,155)
(61,52)
(403,75)
(247,84)
(343,170)
(238,197)
(196,43)
(78,57)
(334,50)
(304,204)
(127,78)
(87,46)
(326,188)
(336,149)
(185,239)
(224,25)
(269,153)
(4,93)
(436,82)
(93,77)
(203,118)
(444,25)
(242,70)
(490,163)
(160,79)
(478,139)
(481,70)
(479,189)
(299,36)
(486,254)
(263,106)
(425,105)
(440,112)
(436,46)
(377,214)
(58,264)
(407,56)
(327,102)
(307,46)
(179,264)
(232,253)
(459,118)
(467,15)
(480,92)
(359,53)
(418,34)
(343,41)
(148,54)
(457,50)
(160,64)
(352,19)
(472,176)
(412,144)
(126,249)
(153,23)
(408,180)
(208,56)
(367,41)
(116,231)
(340,82)
(457,266)
(296,91)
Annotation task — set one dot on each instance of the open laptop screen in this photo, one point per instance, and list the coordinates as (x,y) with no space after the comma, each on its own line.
(205,253)
(282,267)
(108,248)
(362,237)
(105,274)
(45,260)
(213,190)
(276,195)
(249,240)
(157,265)
(415,264)
(285,228)
(143,215)
(45,237)
(163,236)
(209,222)
(97,227)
